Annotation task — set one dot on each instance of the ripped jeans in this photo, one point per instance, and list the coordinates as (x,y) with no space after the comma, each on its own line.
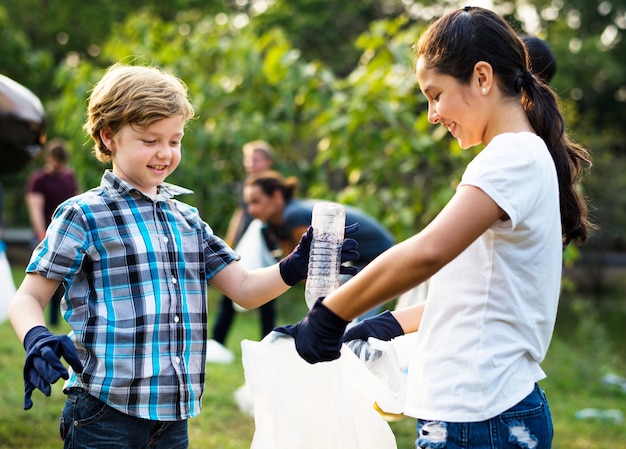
(527,425)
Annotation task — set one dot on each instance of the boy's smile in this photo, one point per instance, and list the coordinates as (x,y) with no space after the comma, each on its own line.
(145,157)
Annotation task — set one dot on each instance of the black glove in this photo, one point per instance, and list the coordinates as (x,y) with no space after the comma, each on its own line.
(382,326)
(349,251)
(318,335)
(43,365)
(294,267)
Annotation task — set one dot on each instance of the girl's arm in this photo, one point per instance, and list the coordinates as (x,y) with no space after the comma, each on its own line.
(410,318)
(468,214)
(27,307)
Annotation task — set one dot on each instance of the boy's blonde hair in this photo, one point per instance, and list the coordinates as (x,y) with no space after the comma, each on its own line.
(133,95)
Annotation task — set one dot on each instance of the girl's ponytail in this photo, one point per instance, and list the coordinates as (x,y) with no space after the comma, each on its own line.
(570,159)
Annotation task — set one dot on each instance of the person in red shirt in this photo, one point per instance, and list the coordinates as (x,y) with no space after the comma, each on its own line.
(48,187)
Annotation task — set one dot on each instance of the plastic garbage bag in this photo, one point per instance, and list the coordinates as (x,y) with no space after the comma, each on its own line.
(380,359)
(253,251)
(22,126)
(327,405)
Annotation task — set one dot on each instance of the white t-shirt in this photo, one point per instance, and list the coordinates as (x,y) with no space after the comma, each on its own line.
(490,312)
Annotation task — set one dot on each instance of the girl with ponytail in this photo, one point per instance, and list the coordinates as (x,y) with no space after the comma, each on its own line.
(493,255)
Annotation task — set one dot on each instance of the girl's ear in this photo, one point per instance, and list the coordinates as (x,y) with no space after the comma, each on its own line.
(483,77)
(277,195)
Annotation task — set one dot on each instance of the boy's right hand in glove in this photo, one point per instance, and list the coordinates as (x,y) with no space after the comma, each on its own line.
(382,327)
(43,365)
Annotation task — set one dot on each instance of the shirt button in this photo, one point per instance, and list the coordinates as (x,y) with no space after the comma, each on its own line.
(177,359)
(165,239)
(174,281)
(176,319)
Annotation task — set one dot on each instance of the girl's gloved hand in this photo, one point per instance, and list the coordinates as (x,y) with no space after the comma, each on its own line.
(318,335)
(382,327)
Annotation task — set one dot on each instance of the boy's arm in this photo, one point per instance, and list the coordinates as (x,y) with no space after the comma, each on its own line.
(27,307)
(44,351)
(250,289)
(254,288)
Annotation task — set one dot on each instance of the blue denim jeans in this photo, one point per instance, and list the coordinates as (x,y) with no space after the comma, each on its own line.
(527,425)
(88,423)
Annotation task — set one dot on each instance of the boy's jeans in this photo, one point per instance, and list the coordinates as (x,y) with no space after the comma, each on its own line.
(88,423)
(527,425)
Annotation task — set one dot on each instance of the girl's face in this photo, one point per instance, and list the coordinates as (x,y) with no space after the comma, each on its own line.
(145,157)
(267,208)
(452,104)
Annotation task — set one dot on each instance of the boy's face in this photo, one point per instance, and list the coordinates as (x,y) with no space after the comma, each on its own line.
(145,157)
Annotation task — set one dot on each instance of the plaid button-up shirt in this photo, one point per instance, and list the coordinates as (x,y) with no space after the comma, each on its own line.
(136,273)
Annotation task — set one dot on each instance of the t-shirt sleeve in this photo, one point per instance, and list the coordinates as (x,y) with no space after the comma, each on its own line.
(504,175)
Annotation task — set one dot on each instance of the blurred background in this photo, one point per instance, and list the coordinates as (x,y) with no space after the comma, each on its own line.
(330,85)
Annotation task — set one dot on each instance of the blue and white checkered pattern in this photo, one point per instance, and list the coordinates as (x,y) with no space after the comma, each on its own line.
(136,271)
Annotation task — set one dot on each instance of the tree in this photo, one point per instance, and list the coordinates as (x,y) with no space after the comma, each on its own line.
(242,86)
(329,132)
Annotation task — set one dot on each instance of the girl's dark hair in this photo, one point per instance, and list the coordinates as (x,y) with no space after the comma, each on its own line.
(454,43)
(270,181)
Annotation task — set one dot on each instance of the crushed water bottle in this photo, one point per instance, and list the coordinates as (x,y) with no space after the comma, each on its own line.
(328,221)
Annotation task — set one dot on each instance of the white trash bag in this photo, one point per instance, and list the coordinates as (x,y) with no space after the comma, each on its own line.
(297,405)
(380,358)
(7,287)
(253,251)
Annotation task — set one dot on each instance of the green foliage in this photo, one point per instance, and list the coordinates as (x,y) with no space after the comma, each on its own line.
(329,84)
(242,86)
(377,149)
(342,137)
(325,31)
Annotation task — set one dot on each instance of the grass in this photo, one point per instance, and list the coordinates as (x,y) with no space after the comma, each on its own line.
(576,362)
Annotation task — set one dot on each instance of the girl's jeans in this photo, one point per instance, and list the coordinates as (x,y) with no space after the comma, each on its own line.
(527,425)
(88,423)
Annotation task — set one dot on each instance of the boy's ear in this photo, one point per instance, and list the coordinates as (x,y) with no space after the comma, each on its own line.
(106,134)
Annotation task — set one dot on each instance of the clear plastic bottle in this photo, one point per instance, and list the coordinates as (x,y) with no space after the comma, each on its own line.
(328,221)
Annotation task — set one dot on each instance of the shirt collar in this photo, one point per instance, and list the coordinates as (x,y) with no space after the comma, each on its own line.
(165,190)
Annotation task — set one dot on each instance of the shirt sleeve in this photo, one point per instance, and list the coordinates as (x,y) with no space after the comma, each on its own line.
(60,255)
(503,172)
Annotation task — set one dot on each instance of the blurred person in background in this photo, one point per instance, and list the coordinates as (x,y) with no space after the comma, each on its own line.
(48,187)
(257,156)
(271,199)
